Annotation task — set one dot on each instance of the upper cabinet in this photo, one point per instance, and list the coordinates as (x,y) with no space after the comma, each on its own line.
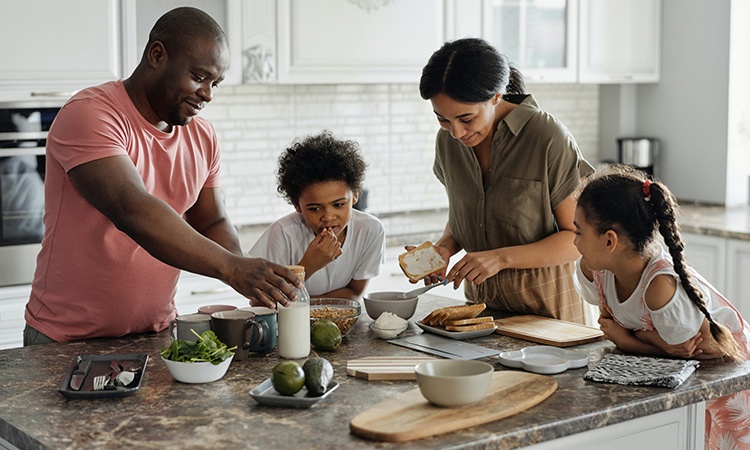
(620,41)
(568,41)
(339,41)
(356,41)
(139,16)
(538,36)
(52,48)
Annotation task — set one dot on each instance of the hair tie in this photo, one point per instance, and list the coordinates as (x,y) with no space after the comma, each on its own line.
(647,190)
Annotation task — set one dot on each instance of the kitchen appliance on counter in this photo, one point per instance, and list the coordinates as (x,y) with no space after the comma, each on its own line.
(23,134)
(639,152)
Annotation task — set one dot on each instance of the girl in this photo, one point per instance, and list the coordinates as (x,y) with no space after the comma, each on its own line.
(651,302)
(509,169)
(341,248)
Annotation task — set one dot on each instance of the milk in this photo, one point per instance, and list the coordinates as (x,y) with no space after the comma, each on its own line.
(294,330)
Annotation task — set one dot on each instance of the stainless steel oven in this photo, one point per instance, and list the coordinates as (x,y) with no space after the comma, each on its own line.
(23,134)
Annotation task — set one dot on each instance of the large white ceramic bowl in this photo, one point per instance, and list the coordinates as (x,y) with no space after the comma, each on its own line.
(197,372)
(376,303)
(454,382)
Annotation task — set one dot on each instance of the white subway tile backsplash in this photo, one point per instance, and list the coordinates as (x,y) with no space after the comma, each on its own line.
(393,125)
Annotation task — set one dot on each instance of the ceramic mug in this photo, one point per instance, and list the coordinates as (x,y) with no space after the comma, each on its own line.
(267,317)
(180,326)
(237,328)
(210,309)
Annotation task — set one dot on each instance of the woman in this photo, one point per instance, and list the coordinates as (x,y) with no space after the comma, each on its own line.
(509,170)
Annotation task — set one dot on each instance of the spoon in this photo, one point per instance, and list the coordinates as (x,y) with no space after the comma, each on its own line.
(422,290)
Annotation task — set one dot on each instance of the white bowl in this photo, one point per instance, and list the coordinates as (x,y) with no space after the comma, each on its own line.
(197,372)
(454,382)
(376,303)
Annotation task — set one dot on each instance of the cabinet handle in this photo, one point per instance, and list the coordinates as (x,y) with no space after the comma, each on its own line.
(216,290)
(65,94)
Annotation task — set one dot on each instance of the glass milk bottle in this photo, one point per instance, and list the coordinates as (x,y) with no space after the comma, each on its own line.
(294,322)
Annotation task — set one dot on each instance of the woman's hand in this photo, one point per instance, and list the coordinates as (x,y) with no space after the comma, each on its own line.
(476,267)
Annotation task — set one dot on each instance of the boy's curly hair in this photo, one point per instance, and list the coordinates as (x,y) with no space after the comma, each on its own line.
(316,159)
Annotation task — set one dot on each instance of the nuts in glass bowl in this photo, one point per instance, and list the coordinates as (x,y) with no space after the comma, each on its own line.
(343,312)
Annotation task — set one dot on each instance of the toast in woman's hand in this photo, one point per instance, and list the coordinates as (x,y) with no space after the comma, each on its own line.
(421,261)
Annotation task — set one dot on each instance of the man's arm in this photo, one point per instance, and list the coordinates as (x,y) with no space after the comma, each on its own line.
(114,187)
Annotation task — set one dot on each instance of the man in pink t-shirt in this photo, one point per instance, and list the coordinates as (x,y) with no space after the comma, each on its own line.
(132,196)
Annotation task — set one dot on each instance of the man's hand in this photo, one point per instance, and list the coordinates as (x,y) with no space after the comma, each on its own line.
(264,282)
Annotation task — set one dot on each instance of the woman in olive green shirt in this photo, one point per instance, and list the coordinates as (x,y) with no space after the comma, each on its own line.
(509,170)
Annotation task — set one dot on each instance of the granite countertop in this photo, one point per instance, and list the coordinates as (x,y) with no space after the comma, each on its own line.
(168,414)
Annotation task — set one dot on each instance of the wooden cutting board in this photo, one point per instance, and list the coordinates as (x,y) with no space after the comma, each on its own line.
(544,330)
(409,416)
(385,368)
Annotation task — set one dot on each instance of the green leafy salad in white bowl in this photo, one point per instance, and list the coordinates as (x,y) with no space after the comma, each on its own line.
(205,360)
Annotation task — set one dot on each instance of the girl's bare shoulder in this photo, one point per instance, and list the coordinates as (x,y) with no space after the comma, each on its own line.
(660,291)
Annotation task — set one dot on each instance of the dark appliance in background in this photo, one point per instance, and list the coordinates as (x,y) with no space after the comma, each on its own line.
(23,135)
(639,152)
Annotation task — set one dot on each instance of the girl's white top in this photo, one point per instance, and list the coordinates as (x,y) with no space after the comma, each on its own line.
(678,320)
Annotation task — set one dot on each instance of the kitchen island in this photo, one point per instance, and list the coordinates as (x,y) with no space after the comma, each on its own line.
(167,414)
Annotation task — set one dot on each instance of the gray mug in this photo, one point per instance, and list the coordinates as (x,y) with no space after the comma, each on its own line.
(180,326)
(236,328)
(267,317)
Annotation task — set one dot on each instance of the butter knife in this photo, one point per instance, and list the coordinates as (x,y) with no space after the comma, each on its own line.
(80,374)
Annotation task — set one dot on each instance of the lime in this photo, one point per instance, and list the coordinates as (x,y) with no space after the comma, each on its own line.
(325,335)
(287,377)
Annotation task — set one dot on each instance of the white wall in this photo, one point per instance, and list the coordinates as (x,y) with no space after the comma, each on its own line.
(393,125)
(700,109)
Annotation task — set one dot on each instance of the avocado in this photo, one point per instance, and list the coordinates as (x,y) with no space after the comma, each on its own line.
(325,335)
(318,374)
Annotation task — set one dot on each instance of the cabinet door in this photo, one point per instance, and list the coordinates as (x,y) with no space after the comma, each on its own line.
(620,41)
(49,45)
(139,16)
(738,281)
(538,36)
(707,255)
(13,301)
(337,41)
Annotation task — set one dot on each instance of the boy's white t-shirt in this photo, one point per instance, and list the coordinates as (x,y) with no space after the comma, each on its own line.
(363,252)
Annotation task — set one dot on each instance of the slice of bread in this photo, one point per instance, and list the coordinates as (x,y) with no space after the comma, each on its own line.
(459,312)
(475,327)
(472,321)
(421,261)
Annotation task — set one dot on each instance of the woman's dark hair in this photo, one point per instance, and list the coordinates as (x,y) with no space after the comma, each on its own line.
(626,201)
(318,159)
(470,71)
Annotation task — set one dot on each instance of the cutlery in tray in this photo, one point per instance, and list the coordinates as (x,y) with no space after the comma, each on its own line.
(84,370)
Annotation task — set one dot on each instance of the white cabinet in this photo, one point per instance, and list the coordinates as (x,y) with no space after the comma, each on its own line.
(738,275)
(676,429)
(194,291)
(708,256)
(725,263)
(53,48)
(13,301)
(619,41)
(139,16)
(337,41)
(539,37)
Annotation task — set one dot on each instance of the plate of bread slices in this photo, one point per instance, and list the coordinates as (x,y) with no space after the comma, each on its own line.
(459,322)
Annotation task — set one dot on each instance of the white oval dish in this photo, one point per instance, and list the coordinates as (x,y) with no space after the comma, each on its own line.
(544,359)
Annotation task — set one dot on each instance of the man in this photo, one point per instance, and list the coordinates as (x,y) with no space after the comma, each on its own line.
(132,196)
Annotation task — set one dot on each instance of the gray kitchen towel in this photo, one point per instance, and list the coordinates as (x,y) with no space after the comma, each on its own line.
(642,371)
